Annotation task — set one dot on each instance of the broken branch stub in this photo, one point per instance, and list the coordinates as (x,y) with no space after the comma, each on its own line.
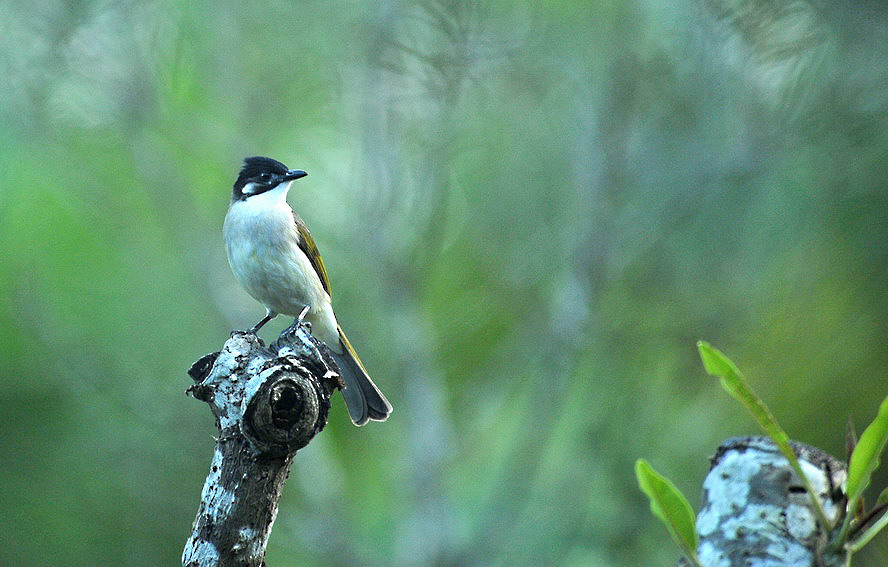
(268,402)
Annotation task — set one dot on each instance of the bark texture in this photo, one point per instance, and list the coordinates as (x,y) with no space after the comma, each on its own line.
(756,511)
(268,402)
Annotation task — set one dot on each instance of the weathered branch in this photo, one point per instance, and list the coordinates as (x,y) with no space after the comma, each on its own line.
(756,511)
(269,402)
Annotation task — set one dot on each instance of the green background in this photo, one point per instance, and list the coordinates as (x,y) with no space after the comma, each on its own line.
(530,212)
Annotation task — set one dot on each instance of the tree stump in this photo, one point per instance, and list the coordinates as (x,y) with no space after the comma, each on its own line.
(269,402)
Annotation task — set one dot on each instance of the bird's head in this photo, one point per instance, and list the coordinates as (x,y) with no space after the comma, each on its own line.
(261,174)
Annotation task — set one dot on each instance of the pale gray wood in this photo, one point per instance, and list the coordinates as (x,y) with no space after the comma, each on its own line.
(755,511)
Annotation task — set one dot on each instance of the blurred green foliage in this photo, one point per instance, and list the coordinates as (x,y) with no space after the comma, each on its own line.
(529,212)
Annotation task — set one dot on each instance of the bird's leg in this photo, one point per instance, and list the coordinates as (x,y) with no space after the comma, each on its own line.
(268,317)
(291,335)
(298,320)
(303,313)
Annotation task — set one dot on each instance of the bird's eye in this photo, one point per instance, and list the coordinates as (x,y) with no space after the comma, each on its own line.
(265,177)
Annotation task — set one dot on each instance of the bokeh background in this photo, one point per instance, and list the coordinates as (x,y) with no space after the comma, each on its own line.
(530,212)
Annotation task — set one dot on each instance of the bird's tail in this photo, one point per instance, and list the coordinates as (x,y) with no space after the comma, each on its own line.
(362,397)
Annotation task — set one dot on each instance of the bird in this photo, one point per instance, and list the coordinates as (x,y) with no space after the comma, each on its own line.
(274,257)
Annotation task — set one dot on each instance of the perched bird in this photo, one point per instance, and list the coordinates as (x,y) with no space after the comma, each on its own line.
(275,259)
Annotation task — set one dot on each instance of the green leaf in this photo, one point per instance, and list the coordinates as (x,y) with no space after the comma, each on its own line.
(865,458)
(735,384)
(716,363)
(864,461)
(883,497)
(733,381)
(671,506)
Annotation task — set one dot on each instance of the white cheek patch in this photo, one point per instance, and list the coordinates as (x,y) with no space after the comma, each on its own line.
(249,189)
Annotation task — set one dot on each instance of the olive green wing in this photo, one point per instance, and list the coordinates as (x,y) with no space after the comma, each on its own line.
(307,245)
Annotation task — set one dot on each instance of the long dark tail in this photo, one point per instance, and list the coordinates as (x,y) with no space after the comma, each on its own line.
(362,397)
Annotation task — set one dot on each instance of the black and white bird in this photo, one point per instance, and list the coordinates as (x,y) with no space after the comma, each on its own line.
(275,259)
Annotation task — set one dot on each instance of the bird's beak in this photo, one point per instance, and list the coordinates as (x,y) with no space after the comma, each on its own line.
(294,174)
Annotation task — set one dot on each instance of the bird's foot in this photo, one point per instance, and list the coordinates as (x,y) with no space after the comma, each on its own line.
(297,322)
(300,320)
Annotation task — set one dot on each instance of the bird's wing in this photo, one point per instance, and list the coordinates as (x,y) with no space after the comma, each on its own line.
(307,245)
